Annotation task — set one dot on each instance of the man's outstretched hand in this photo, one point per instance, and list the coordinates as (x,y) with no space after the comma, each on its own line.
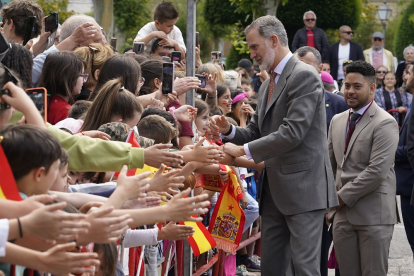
(220,124)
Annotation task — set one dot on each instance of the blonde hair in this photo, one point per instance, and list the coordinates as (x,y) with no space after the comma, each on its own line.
(211,68)
(98,57)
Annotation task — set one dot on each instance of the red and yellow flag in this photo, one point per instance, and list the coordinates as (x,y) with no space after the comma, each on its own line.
(201,241)
(8,188)
(227,221)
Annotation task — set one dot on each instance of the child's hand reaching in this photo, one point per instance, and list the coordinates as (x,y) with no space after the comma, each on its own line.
(130,187)
(206,154)
(166,182)
(185,113)
(95,134)
(183,209)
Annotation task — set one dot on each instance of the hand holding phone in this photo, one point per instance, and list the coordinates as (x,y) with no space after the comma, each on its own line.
(176,56)
(52,22)
(202,78)
(113,43)
(139,47)
(167,77)
(196,39)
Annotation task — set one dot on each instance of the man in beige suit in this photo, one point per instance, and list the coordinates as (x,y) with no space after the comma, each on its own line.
(362,143)
(377,55)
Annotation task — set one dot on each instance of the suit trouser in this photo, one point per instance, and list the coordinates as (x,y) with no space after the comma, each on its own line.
(407,212)
(289,239)
(361,249)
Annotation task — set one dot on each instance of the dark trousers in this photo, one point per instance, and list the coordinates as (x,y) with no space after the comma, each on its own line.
(407,211)
(326,244)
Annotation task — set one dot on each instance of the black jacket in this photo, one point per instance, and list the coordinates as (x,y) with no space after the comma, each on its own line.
(399,73)
(355,53)
(321,41)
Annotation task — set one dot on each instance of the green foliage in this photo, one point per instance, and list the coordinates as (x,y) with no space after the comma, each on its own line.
(405,33)
(60,6)
(222,12)
(233,58)
(131,15)
(369,25)
(253,8)
(331,14)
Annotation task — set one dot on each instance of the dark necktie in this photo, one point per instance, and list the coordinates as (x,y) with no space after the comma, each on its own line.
(354,117)
(272,85)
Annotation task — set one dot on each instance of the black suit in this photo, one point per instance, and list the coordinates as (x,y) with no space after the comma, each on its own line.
(355,53)
(334,104)
(404,156)
(301,39)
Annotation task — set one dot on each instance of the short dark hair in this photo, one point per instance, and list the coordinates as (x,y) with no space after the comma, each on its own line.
(303,51)
(363,68)
(165,11)
(150,69)
(201,106)
(60,73)
(79,109)
(21,142)
(246,64)
(19,11)
(326,61)
(157,128)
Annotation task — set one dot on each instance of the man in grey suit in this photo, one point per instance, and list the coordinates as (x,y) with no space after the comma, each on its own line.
(288,133)
(362,144)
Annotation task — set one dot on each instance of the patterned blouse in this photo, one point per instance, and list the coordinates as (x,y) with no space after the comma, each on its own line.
(406,99)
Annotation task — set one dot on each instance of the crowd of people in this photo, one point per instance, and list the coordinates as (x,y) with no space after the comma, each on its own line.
(319,136)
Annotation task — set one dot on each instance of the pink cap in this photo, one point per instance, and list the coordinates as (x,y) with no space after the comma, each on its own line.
(326,77)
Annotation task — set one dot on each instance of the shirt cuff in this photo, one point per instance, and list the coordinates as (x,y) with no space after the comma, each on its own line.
(247,151)
(4,234)
(231,135)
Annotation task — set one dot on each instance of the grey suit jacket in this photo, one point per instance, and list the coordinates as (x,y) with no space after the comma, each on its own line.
(365,175)
(291,138)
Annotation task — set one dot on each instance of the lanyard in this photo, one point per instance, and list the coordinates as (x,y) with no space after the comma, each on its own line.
(350,130)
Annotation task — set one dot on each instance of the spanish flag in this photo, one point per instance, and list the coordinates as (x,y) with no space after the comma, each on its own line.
(8,188)
(227,221)
(201,241)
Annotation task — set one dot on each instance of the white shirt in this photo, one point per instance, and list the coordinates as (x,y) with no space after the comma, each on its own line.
(175,34)
(279,69)
(4,234)
(343,55)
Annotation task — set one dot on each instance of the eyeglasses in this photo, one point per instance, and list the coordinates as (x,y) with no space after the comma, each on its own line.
(93,49)
(350,32)
(347,62)
(310,19)
(382,72)
(85,77)
(377,39)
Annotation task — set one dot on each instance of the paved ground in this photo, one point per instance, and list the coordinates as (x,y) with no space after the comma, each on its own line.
(400,259)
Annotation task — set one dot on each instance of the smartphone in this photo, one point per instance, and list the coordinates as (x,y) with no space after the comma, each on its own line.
(167,77)
(196,42)
(3,103)
(202,78)
(216,56)
(52,22)
(176,56)
(113,43)
(39,97)
(30,28)
(165,59)
(139,47)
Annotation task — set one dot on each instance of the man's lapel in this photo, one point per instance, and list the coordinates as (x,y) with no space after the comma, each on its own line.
(341,133)
(365,120)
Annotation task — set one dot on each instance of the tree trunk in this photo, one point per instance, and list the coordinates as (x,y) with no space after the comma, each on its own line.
(104,15)
(271,6)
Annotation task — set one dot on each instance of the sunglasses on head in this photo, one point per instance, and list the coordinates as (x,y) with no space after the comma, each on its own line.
(377,39)
(350,32)
(347,62)
(381,72)
(310,19)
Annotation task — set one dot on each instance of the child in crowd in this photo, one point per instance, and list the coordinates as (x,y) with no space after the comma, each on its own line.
(63,78)
(165,18)
(157,128)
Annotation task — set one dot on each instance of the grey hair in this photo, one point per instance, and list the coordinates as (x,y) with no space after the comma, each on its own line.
(302,51)
(304,15)
(329,86)
(408,48)
(267,26)
(70,25)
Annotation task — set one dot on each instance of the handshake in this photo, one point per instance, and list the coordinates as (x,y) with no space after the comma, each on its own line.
(219,124)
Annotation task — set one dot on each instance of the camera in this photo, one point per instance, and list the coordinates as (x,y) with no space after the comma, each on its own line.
(139,47)
(202,78)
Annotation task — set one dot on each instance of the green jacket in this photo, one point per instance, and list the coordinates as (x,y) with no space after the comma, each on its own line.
(96,155)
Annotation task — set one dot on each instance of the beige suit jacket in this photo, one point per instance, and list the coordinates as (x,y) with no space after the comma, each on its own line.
(390,59)
(364,175)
